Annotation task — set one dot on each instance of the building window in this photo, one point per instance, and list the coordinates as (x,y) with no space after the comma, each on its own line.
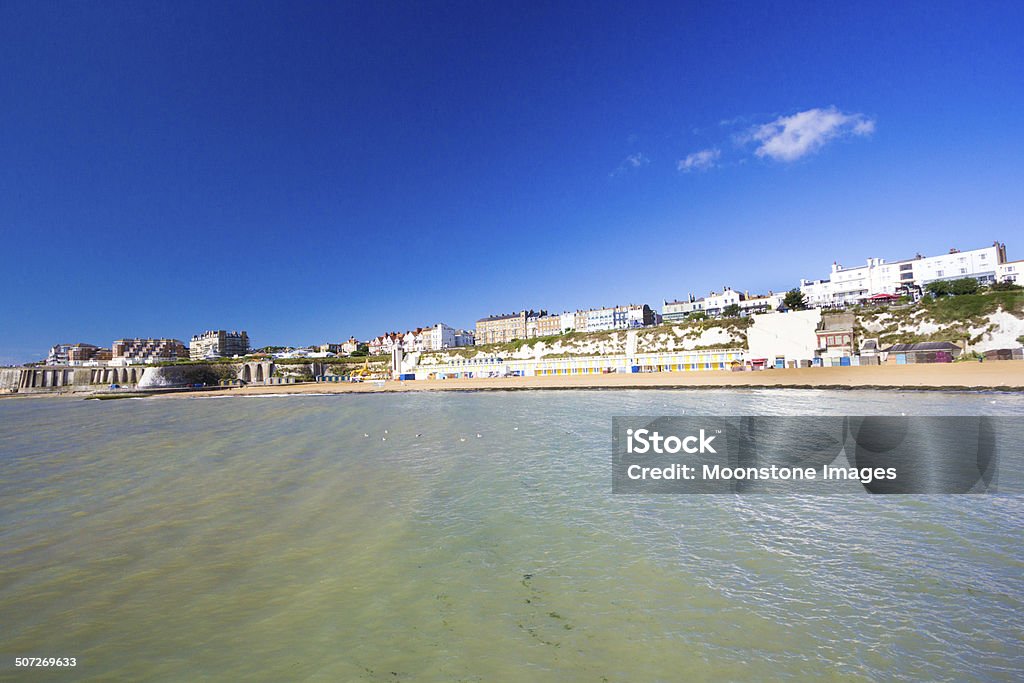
(938,273)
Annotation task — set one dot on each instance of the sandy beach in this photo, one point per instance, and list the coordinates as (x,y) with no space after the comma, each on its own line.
(1003,375)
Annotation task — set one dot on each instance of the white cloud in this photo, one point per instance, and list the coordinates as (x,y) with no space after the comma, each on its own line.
(632,161)
(700,161)
(637,160)
(788,138)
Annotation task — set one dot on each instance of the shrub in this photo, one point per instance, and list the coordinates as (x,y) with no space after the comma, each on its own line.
(795,300)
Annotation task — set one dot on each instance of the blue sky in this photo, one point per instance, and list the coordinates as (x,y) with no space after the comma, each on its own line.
(307,171)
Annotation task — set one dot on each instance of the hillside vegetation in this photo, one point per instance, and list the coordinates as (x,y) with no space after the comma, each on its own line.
(689,335)
(986,320)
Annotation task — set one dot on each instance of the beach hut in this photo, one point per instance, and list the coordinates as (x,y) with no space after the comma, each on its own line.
(923,352)
(1005,354)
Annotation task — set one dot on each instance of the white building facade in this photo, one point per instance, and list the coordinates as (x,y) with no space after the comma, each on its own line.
(715,302)
(440,337)
(1011,271)
(626,317)
(848,286)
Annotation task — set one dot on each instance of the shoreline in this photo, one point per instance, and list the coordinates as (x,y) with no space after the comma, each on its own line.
(1007,376)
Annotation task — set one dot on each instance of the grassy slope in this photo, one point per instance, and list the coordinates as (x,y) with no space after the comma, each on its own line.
(956,314)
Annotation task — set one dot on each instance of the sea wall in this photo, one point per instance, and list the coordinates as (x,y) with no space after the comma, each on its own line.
(46,379)
(184,375)
(9,379)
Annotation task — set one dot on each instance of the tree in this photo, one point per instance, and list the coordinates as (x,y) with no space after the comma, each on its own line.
(965,285)
(1005,286)
(361,350)
(698,315)
(731,311)
(795,300)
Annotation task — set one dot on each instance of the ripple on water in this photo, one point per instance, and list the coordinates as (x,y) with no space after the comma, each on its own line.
(272,540)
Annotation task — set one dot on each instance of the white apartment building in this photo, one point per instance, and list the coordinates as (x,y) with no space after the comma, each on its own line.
(441,337)
(712,304)
(764,303)
(617,318)
(58,354)
(846,286)
(1011,271)
(218,344)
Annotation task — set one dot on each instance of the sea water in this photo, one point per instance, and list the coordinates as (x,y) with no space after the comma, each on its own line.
(474,537)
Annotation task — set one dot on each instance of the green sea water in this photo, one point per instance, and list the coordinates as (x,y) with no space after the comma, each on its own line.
(474,537)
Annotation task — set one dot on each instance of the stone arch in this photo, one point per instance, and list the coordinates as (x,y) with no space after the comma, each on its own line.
(259,373)
(245,374)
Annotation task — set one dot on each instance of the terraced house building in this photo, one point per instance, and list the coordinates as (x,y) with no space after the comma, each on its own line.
(847,286)
(499,329)
(626,317)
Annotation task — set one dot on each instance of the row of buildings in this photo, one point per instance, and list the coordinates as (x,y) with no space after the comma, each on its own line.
(505,327)
(877,279)
(208,345)
(715,304)
(433,338)
(909,277)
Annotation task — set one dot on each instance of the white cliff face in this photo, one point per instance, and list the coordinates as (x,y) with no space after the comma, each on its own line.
(1001,332)
(154,378)
(650,340)
(998,330)
(688,339)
